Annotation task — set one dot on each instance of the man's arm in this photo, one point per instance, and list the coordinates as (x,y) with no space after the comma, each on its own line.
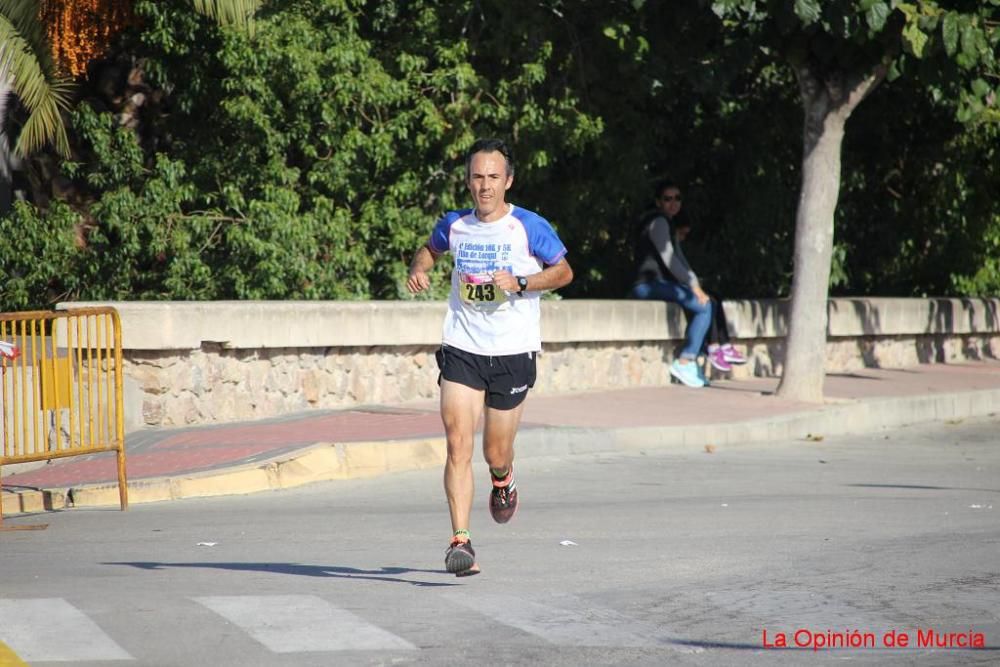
(422,262)
(558,275)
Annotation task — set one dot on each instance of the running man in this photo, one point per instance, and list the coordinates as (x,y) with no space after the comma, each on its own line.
(504,258)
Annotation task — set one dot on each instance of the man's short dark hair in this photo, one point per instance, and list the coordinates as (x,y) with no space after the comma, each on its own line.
(490,146)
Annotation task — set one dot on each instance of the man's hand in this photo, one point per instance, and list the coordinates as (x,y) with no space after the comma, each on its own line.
(418,281)
(505,280)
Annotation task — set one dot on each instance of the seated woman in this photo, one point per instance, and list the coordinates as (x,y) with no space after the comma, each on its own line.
(665,274)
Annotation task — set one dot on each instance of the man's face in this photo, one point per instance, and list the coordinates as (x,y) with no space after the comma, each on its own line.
(488,184)
(669,202)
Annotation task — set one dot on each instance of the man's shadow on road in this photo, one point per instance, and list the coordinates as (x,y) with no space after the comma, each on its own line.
(382,574)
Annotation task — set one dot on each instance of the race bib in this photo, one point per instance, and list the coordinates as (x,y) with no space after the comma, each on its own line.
(479,291)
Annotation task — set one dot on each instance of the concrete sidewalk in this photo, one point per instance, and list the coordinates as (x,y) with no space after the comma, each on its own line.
(247,457)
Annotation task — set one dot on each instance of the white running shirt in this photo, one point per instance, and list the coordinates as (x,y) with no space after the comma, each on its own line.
(483,319)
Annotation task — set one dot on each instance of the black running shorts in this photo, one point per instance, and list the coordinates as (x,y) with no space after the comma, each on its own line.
(506,379)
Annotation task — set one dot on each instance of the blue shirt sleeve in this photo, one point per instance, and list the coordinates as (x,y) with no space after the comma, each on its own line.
(543,242)
(440,241)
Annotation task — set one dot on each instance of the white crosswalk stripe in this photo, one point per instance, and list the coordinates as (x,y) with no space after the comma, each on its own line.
(573,622)
(53,630)
(294,623)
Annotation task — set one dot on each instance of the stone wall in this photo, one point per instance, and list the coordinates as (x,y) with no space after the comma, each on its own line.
(196,363)
(213,384)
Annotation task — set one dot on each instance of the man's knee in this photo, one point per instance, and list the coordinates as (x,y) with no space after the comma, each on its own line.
(459,457)
(500,443)
(460,448)
(460,438)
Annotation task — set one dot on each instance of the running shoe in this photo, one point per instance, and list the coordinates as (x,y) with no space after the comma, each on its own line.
(732,355)
(503,498)
(460,558)
(687,373)
(717,358)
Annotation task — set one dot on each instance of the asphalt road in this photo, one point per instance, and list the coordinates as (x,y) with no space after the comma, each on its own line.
(697,558)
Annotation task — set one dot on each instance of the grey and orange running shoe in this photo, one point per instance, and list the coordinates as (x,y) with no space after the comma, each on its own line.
(460,558)
(503,498)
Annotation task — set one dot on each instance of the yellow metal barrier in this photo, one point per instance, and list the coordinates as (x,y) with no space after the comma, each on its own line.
(61,387)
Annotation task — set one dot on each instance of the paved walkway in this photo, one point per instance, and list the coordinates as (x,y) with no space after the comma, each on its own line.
(252,456)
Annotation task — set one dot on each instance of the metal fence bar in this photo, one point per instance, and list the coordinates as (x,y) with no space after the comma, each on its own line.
(78,348)
(72,412)
(89,347)
(48,366)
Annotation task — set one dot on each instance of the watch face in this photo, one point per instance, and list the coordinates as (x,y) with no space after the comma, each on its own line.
(522,283)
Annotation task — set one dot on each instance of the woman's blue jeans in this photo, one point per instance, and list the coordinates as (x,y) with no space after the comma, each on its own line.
(699,314)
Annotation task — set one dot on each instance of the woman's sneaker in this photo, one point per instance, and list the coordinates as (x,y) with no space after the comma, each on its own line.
(687,373)
(732,355)
(702,376)
(503,498)
(460,558)
(717,357)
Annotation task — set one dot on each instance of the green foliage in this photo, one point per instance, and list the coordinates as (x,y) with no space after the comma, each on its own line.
(37,252)
(308,159)
(924,222)
(984,281)
(943,44)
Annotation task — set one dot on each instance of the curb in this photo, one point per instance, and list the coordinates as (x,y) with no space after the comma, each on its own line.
(313,463)
(847,418)
(360,460)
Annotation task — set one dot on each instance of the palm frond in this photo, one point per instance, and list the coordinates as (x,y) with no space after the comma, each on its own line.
(239,13)
(42,94)
(45,123)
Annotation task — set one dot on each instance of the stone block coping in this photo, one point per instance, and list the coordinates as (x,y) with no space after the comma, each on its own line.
(180,325)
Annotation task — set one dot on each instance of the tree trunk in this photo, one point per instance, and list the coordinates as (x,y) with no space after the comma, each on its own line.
(827,101)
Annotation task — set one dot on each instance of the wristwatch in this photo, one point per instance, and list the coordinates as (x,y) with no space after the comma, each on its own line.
(522,284)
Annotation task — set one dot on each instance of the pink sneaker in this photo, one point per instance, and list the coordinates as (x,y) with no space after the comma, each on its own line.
(718,360)
(732,355)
